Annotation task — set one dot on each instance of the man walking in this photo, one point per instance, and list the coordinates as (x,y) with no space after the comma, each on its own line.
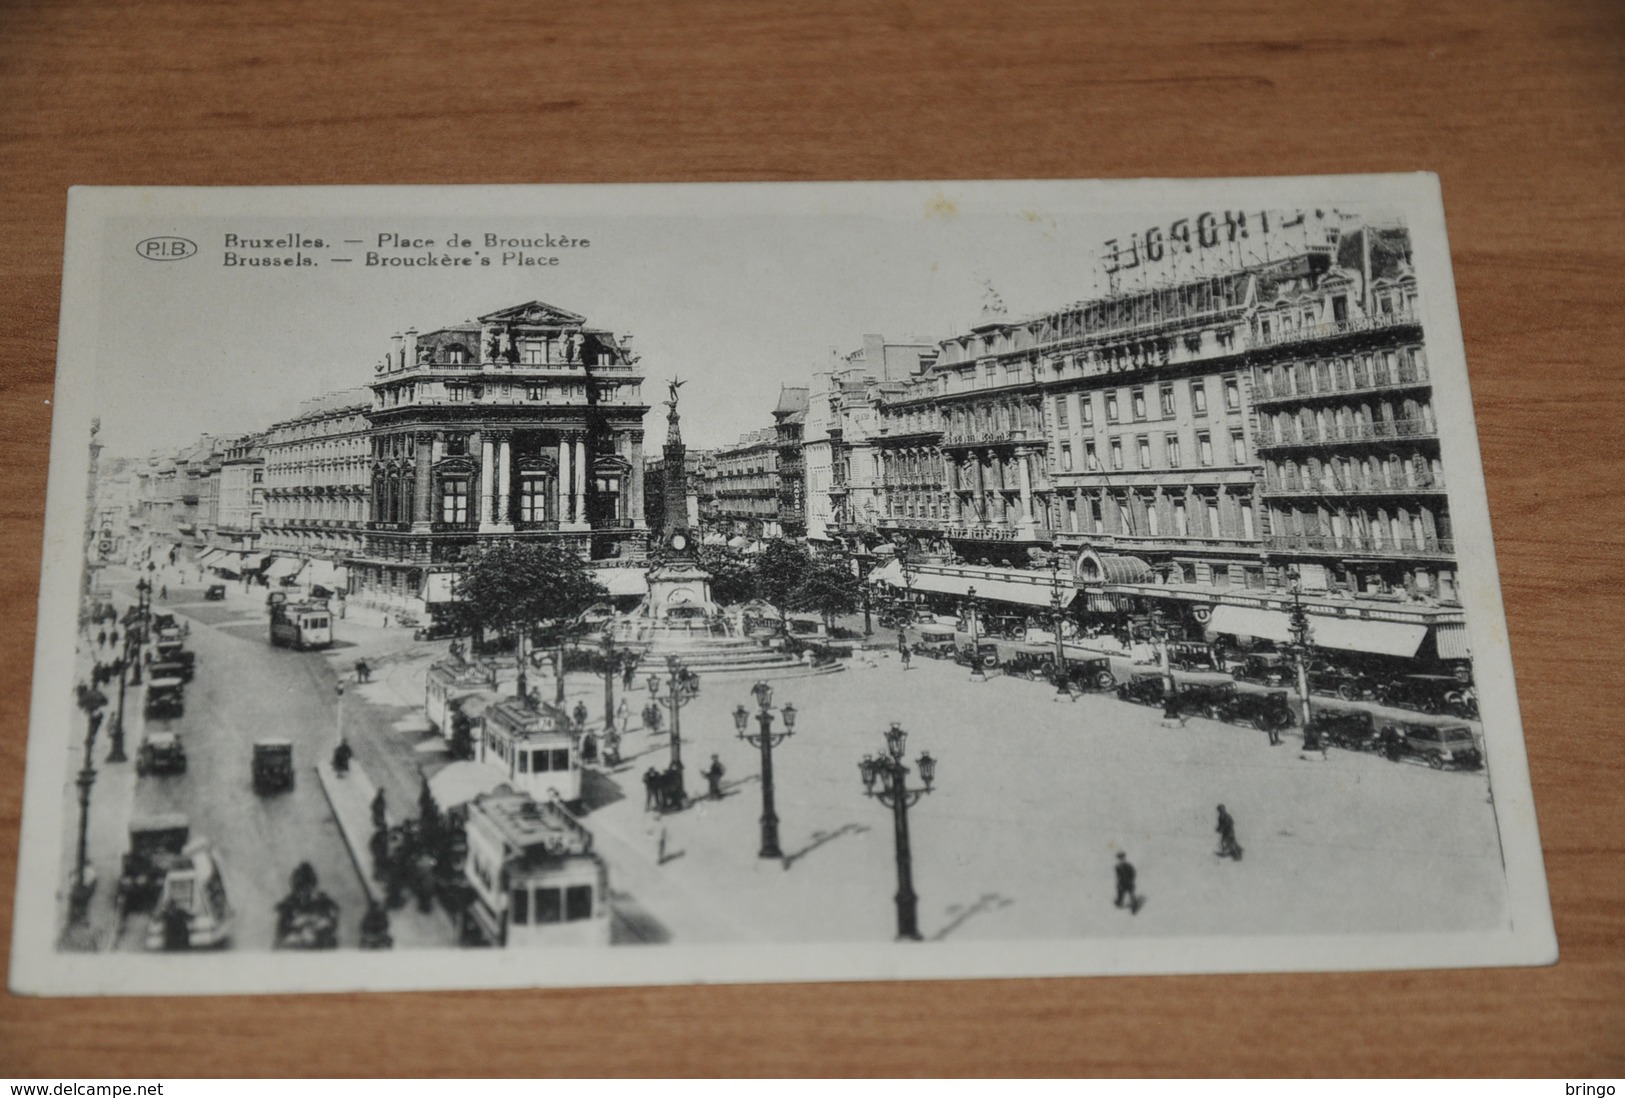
(906,656)
(1125,884)
(713,777)
(1228,847)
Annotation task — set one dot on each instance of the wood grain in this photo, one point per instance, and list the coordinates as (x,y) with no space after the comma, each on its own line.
(1517,105)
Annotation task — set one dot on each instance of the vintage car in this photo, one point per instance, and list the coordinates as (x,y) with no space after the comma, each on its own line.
(1264,668)
(1030,665)
(160,753)
(1090,673)
(1332,680)
(165,697)
(1266,711)
(1437,745)
(156,843)
(191,910)
(1145,688)
(1352,729)
(161,622)
(936,642)
(1425,693)
(273,765)
(171,661)
(985,655)
(1187,656)
(216,592)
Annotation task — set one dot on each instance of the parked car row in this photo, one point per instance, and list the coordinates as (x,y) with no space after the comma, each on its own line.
(1424,693)
(1437,745)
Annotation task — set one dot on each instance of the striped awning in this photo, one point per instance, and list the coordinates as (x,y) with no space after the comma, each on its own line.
(1452,641)
(284,566)
(1391,638)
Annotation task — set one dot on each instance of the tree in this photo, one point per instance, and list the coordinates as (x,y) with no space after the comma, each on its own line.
(520,586)
(828,587)
(780,570)
(733,575)
(510,585)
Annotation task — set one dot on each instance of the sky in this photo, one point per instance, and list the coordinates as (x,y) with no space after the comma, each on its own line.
(740,294)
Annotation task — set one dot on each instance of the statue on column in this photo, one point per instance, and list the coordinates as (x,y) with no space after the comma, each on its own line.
(674,384)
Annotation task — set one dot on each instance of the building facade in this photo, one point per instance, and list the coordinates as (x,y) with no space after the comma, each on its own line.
(241,494)
(315,479)
(746,486)
(789,423)
(525,424)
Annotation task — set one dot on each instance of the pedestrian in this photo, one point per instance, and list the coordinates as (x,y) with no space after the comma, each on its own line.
(907,657)
(651,789)
(101,638)
(580,714)
(1228,847)
(163,591)
(628,671)
(379,846)
(363,671)
(386,621)
(589,748)
(612,748)
(623,715)
(341,758)
(1125,883)
(378,809)
(713,777)
(1275,733)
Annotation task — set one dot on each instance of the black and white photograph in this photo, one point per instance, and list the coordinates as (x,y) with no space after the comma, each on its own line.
(598,585)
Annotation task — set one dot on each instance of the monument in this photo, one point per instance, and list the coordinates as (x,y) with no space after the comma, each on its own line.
(679,589)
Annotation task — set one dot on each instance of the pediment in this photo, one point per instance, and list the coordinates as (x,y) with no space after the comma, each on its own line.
(535,312)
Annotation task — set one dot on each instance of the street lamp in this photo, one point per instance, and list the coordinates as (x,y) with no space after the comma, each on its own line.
(681,687)
(90,701)
(115,753)
(1298,629)
(143,612)
(1061,690)
(611,666)
(1159,633)
(767,740)
(885,777)
(973,612)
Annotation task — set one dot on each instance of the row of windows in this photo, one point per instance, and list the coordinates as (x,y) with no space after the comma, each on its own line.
(1141,400)
(1170,452)
(1157,514)
(550,905)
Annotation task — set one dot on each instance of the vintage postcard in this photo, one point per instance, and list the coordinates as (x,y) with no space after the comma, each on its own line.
(570,585)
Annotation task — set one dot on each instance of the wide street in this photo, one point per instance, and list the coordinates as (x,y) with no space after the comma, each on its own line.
(244,690)
(1034,798)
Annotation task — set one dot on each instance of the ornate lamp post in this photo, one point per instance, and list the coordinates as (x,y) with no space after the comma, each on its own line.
(115,753)
(974,613)
(767,740)
(611,666)
(143,610)
(904,566)
(681,687)
(1298,628)
(1056,615)
(1159,633)
(886,777)
(90,701)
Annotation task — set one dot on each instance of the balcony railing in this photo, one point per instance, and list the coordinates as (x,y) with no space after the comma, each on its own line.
(1336,486)
(1355,432)
(388,527)
(1362,546)
(1266,390)
(1330,329)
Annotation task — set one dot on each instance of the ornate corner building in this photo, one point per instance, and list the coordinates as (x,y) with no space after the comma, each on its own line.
(524,424)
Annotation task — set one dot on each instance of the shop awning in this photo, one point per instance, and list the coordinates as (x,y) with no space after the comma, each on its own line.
(623,582)
(284,566)
(992,586)
(891,572)
(1452,642)
(1389,638)
(328,574)
(439,587)
(210,556)
(1113,568)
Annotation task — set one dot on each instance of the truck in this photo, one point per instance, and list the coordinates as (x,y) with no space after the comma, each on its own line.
(301,625)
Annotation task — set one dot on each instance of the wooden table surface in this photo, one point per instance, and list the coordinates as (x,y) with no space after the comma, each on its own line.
(1519,106)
